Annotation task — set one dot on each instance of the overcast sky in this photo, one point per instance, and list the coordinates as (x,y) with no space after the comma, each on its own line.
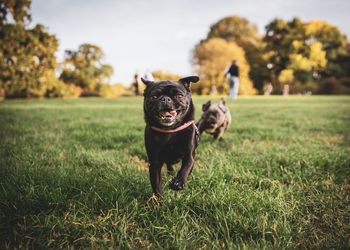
(160,34)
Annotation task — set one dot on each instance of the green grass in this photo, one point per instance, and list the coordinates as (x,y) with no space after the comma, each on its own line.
(73,173)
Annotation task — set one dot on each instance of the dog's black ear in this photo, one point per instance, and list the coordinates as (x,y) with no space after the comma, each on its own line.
(222,101)
(146,82)
(222,105)
(187,80)
(206,106)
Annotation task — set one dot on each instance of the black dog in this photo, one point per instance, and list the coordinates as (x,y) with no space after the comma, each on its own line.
(170,133)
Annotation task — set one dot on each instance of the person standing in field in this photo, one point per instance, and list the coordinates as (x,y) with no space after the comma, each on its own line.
(135,83)
(232,73)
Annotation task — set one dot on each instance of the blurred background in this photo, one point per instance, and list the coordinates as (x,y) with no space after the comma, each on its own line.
(102,48)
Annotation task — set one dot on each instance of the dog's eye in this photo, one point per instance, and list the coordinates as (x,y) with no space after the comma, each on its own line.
(179,96)
(154,97)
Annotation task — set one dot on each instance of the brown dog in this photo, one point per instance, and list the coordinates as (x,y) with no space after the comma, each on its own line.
(215,119)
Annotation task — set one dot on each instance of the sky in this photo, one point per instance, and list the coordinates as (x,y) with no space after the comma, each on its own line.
(141,35)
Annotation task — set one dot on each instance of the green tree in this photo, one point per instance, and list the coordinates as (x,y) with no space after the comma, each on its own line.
(27,56)
(27,61)
(334,44)
(84,68)
(278,47)
(17,9)
(244,34)
(234,28)
(311,50)
(211,57)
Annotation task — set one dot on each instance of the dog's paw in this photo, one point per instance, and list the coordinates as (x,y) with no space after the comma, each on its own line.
(155,199)
(176,184)
(171,173)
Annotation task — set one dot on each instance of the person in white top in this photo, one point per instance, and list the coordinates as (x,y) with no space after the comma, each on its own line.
(232,73)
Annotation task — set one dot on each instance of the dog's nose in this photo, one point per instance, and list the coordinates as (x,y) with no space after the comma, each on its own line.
(166,99)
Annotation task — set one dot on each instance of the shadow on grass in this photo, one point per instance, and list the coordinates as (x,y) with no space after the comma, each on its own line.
(33,197)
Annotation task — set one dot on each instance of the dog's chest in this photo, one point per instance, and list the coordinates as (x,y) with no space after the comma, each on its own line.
(171,147)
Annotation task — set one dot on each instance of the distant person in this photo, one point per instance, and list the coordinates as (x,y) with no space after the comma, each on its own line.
(285,89)
(232,73)
(269,89)
(135,84)
(213,90)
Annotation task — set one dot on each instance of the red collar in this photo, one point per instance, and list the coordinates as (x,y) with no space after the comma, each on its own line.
(185,125)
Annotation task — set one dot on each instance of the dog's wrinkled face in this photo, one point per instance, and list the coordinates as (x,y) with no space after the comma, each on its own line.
(167,102)
(213,115)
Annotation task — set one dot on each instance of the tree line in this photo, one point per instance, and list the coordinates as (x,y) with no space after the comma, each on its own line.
(307,56)
(29,68)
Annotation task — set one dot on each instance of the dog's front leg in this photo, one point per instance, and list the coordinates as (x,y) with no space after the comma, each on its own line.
(156,178)
(178,183)
(219,133)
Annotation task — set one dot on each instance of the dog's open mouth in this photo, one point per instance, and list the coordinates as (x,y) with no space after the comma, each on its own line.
(169,114)
(212,124)
(167,117)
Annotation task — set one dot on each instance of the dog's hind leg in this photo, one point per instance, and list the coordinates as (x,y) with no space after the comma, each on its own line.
(170,169)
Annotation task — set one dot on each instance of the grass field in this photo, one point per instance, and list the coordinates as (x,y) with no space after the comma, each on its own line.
(74,174)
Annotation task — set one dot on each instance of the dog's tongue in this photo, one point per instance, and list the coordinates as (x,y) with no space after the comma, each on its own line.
(168,113)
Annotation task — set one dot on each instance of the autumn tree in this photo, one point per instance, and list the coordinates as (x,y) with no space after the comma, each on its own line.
(302,53)
(334,44)
(290,47)
(27,56)
(84,68)
(240,31)
(17,10)
(27,61)
(211,57)
(277,48)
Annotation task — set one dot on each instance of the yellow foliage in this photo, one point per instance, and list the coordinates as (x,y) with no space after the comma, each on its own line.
(297,44)
(316,26)
(163,75)
(62,90)
(110,91)
(211,58)
(317,56)
(316,59)
(286,76)
(332,40)
(299,62)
